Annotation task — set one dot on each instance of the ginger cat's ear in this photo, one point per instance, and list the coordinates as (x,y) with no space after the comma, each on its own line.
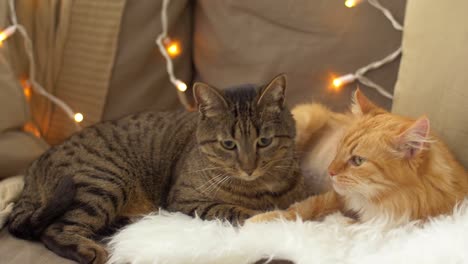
(414,139)
(361,104)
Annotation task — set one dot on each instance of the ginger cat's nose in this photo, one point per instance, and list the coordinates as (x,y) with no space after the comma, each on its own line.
(331,173)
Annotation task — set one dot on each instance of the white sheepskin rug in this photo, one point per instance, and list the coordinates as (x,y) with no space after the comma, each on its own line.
(176,238)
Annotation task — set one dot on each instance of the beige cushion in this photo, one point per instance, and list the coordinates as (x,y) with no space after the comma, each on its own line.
(433,77)
(17,150)
(17,251)
(251,41)
(13,109)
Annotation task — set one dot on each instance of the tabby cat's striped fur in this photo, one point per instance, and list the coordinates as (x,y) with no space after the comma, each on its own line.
(231,160)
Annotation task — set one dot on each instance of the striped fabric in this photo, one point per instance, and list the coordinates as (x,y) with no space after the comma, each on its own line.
(87,60)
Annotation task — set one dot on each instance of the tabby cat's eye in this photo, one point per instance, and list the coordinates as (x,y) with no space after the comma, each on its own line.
(357,161)
(228,144)
(264,141)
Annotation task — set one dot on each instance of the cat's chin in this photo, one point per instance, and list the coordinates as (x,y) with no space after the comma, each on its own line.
(247,178)
(340,189)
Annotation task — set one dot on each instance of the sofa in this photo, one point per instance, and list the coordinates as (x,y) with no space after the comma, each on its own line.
(100,58)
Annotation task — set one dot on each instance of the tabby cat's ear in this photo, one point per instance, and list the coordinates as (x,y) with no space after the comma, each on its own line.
(273,94)
(210,100)
(361,104)
(414,139)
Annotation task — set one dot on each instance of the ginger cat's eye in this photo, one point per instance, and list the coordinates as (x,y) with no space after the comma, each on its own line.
(357,161)
(228,144)
(264,141)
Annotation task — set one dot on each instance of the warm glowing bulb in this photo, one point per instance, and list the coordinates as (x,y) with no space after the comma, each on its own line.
(27,92)
(173,48)
(337,83)
(343,80)
(3,36)
(78,117)
(181,86)
(350,3)
(6,33)
(26,89)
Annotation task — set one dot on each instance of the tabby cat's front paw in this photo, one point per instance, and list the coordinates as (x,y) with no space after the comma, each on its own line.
(269,216)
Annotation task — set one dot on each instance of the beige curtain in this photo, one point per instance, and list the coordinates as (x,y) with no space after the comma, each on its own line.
(433,77)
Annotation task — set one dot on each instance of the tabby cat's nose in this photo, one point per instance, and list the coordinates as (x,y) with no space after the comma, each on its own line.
(249,171)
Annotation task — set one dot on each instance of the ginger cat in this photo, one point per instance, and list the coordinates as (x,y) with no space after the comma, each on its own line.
(318,132)
(386,166)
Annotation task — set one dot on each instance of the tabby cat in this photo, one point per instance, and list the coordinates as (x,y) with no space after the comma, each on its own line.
(231,160)
(386,166)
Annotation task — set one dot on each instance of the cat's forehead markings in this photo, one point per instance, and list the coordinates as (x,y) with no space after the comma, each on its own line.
(353,135)
(353,147)
(244,127)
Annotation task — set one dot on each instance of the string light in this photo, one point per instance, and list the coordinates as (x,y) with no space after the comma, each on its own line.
(181,86)
(31,82)
(343,80)
(78,117)
(359,74)
(396,25)
(351,3)
(166,47)
(7,33)
(26,89)
(337,83)
(173,48)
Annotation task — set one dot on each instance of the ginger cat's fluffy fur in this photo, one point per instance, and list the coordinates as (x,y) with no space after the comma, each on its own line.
(318,131)
(385,166)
